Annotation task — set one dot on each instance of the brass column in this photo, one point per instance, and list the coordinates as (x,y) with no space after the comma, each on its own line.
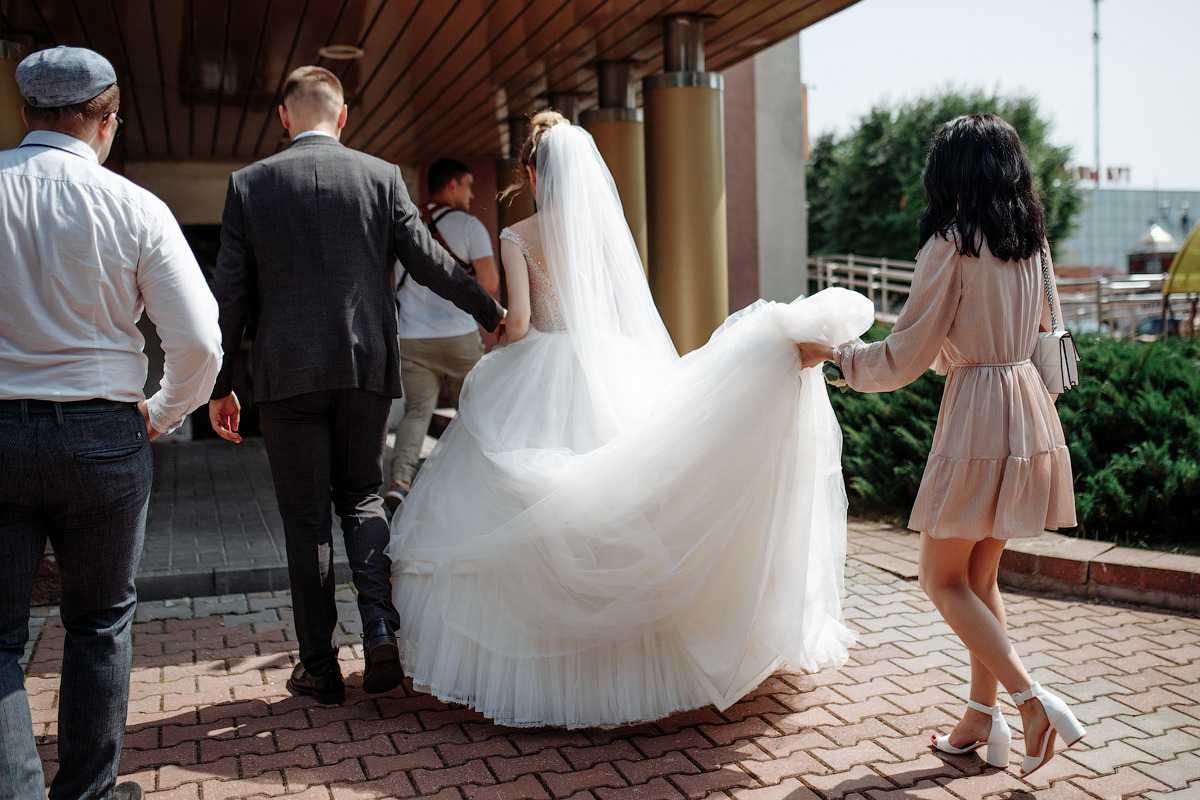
(617,127)
(685,188)
(508,171)
(12,127)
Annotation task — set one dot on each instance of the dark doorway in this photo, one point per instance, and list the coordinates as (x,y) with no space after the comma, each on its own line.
(205,241)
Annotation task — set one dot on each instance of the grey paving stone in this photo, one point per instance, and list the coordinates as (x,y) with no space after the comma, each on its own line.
(1107,730)
(213,526)
(877,638)
(1161,721)
(1100,709)
(919,618)
(1107,759)
(180,608)
(1092,688)
(224,604)
(1169,745)
(259,601)
(921,647)
(1191,792)
(1036,661)
(930,661)
(267,615)
(938,628)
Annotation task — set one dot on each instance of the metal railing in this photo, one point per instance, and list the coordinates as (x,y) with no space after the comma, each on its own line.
(885,282)
(1111,305)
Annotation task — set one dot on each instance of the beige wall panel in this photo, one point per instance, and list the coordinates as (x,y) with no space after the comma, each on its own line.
(193,190)
(685,196)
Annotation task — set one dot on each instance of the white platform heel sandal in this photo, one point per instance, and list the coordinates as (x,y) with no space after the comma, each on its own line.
(997,742)
(1062,723)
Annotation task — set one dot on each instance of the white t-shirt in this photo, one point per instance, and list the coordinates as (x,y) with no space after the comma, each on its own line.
(425,315)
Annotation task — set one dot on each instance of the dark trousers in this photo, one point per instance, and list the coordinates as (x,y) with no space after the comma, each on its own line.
(327,447)
(78,474)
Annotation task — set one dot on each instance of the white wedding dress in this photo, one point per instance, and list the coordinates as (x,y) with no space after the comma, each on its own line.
(608,533)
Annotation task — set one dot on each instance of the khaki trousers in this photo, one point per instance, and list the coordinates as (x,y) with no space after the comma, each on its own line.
(424,364)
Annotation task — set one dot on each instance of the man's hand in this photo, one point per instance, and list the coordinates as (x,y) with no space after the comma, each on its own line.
(812,354)
(225,414)
(501,331)
(145,409)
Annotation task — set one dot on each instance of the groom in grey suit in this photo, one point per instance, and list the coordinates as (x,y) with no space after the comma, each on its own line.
(309,238)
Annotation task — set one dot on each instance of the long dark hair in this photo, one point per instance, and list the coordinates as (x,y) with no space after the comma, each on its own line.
(978,179)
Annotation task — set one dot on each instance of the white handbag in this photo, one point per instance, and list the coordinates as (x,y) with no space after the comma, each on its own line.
(1055,355)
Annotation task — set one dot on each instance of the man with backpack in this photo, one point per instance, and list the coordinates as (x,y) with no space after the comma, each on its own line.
(438,342)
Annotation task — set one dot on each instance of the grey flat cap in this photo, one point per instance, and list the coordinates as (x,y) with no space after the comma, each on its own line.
(63,76)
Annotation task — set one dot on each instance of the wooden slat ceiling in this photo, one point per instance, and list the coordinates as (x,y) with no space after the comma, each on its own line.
(200,79)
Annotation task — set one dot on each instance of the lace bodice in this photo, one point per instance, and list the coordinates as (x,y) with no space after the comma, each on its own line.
(545,310)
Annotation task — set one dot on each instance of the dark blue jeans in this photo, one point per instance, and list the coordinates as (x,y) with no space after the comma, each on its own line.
(325,447)
(79,475)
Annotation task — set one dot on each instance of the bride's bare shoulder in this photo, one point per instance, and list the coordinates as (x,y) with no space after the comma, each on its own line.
(527,228)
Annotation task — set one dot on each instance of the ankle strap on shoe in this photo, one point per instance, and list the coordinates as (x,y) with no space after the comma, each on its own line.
(989,710)
(1020,698)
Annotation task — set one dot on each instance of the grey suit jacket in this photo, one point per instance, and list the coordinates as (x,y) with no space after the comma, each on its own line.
(309,238)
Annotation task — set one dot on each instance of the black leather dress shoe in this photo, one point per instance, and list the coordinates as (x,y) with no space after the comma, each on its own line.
(128,791)
(328,689)
(383,672)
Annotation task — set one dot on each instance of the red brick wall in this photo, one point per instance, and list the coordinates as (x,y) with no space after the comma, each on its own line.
(741,185)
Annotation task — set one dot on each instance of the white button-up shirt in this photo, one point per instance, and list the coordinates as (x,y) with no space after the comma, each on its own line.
(82,252)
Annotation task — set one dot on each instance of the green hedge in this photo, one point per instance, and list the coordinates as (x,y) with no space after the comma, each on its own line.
(1132,426)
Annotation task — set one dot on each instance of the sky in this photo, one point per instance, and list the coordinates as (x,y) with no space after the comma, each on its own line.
(892,51)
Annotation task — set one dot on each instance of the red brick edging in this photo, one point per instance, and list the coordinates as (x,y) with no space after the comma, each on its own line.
(1052,563)
(1085,568)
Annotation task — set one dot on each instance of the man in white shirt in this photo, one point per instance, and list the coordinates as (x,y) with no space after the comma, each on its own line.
(84,251)
(438,342)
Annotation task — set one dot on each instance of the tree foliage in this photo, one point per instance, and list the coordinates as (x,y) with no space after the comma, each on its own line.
(865,191)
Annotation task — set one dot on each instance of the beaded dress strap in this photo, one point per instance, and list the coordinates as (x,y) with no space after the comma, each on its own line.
(513,236)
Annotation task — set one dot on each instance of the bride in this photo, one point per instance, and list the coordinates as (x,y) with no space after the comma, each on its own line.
(608,533)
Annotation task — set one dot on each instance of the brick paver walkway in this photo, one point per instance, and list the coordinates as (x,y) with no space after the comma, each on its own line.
(210,718)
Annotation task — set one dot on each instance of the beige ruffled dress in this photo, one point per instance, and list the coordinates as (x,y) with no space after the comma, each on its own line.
(999,466)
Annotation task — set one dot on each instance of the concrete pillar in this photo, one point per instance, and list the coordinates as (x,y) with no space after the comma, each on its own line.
(618,129)
(12,127)
(518,206)
(685,188)
(779,127)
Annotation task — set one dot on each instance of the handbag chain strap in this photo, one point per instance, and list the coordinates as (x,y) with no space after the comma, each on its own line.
(1049,291)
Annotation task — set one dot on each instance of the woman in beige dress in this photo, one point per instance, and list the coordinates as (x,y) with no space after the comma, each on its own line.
(999,468)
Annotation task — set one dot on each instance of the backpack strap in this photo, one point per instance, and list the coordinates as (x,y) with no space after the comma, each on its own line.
(431,217)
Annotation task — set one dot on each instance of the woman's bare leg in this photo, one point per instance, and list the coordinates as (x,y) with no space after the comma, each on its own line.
(959,576)
(982,569)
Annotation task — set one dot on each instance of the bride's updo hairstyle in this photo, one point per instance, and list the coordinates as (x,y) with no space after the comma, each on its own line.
(538,125)
(542,122)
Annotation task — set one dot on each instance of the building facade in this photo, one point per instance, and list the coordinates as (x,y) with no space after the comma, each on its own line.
(1112,222)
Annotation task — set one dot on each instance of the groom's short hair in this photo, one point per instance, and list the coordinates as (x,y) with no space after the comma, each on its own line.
(314,84)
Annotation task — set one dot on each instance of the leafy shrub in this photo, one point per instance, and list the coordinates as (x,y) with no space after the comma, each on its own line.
(1132,426)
